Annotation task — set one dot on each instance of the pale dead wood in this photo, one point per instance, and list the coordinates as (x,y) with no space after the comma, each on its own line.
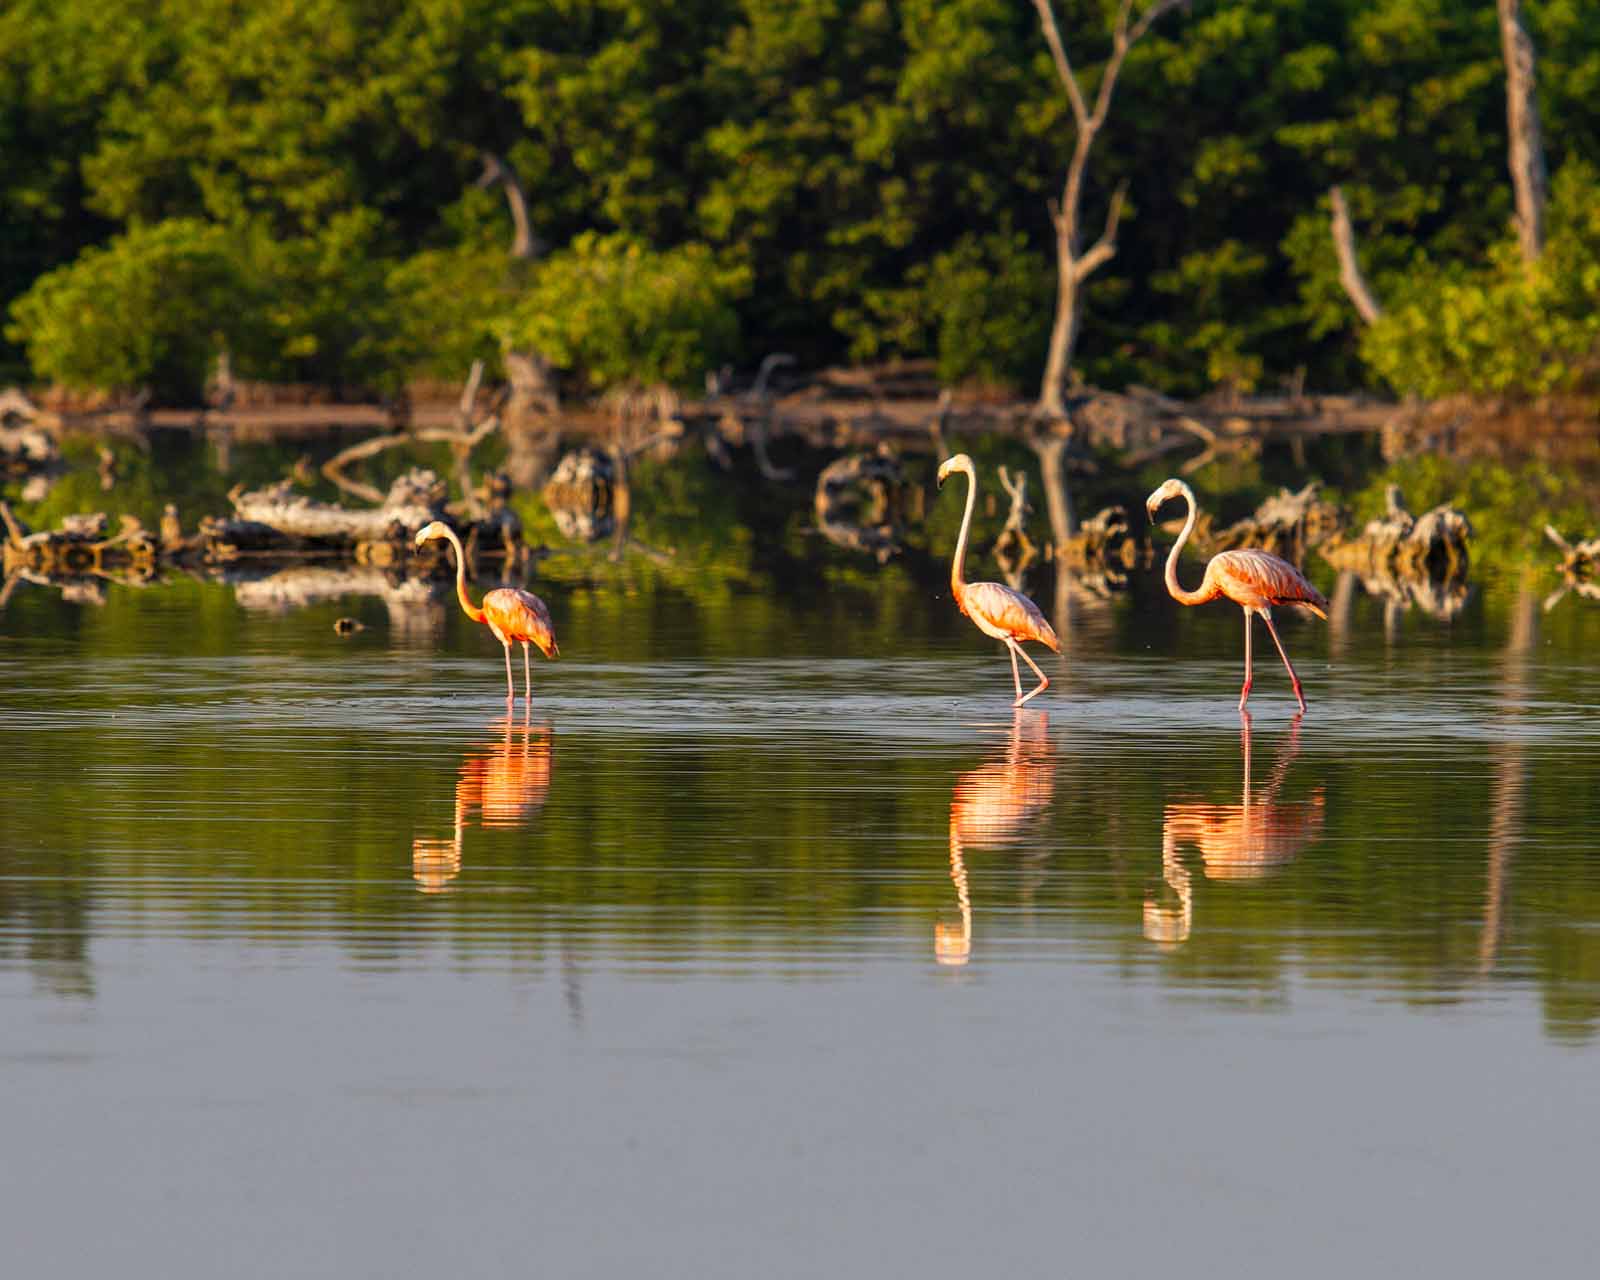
(1525,140)
(1344,243)
(1073,265)
(524,245)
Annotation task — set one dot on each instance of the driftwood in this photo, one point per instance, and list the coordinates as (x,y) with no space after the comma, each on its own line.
(1580,568)
(1579,559)
(1431,547)
(1103,550)
(1288,524)
(462,442)
(579,495)
(856,502)
(80,548)
(413,500)
(25,444)
(1013,541)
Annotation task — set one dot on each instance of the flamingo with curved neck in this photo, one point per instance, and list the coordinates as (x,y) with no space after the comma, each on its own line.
(1253,580)
(513,615)
(997,610)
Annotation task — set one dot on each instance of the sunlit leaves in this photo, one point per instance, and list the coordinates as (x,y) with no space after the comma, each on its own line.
(611,311)
(1506,328)
(150,308)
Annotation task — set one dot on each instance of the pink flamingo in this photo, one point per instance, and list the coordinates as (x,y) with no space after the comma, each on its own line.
(512,614)
(998,611)
(1253,580)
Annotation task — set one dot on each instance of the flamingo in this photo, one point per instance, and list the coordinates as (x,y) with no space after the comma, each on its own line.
(992,806)
(1253,580)
(512,614)
(997,610)
(1243,841)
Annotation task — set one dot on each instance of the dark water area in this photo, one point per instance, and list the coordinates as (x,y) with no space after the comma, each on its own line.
(769,940)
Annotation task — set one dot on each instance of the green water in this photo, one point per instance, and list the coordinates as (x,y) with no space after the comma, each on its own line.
(769,940)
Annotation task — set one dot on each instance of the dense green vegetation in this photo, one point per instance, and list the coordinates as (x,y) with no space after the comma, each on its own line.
(840,180)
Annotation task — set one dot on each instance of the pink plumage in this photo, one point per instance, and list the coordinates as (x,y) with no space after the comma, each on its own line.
(1253,580)
(1007,615)
(1259,580)
(1002,612)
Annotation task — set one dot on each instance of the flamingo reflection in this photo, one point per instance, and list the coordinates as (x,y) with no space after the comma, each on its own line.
(503,784)
(992,806)
(1243,841)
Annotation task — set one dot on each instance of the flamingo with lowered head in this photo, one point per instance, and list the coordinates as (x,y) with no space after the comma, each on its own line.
(1253,580)
(515,616)
(997,610)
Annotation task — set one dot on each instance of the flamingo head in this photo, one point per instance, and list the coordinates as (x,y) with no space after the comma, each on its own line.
(434,530)
(1169,489)
(958,462)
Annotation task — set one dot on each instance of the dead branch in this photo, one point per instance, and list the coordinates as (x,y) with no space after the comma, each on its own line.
(1344,242)
(524,245)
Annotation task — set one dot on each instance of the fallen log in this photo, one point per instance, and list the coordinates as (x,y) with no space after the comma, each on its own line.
(413,500)
(80,548)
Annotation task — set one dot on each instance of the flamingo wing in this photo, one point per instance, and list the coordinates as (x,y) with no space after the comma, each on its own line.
(1000,612)
(520,615)
(1259,579)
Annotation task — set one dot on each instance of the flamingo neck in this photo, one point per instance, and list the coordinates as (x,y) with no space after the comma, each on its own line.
(467,607)
(1173,589)
(958,579)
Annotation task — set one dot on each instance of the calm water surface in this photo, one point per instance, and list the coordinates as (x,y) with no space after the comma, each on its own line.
(770,942)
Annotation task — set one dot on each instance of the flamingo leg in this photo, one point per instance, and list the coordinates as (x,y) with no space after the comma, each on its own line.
(1044,680)
(1299,696)
(527,672)
(1244,693)
(511,692)
(1016,678)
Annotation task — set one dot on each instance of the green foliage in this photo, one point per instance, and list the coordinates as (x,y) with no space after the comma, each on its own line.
(984,307)
(1509,327)
(448,304)
(152,308)
(881,171)
(611,311)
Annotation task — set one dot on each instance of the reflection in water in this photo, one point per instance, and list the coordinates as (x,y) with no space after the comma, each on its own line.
(504,782)
(415,605)
(991,806)
(1510,770)
(1241,841)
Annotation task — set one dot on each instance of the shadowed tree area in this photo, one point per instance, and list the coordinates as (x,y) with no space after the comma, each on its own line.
(357,194)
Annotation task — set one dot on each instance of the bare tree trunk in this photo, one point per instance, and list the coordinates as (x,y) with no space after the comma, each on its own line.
(530,445)
(524,246)
(1522,125)
(1344,241)
(1073,265)
(1051,450)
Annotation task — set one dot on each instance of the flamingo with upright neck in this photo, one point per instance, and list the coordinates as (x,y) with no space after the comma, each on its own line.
(514,615)
(1253,580)
(997,610)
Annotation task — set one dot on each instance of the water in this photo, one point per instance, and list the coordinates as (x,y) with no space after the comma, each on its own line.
(770,942)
